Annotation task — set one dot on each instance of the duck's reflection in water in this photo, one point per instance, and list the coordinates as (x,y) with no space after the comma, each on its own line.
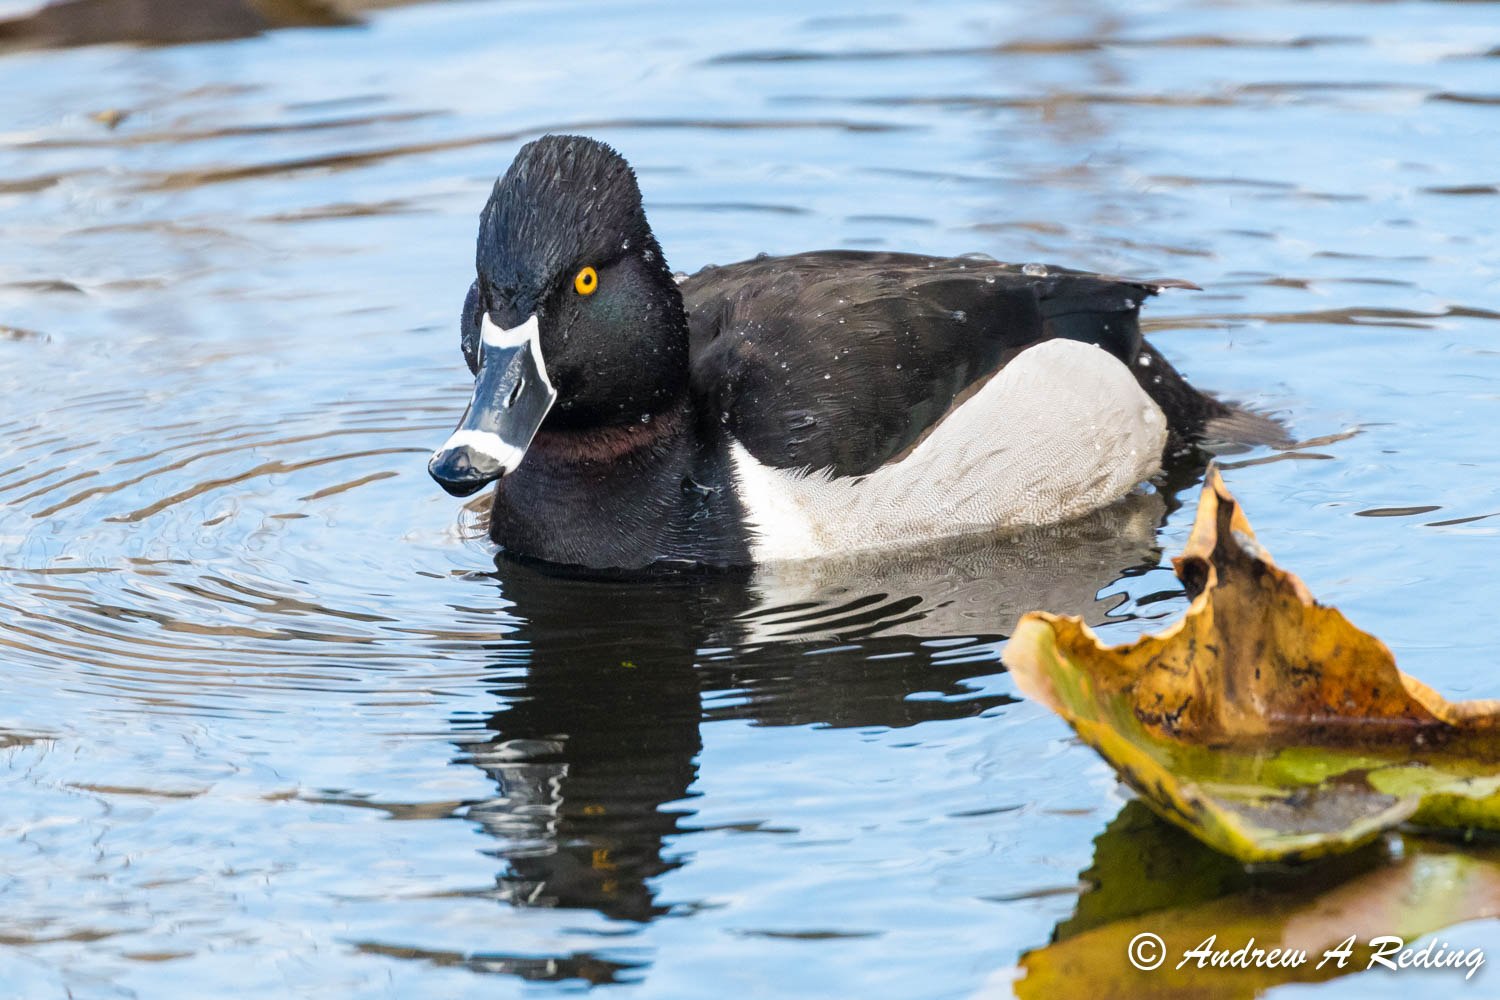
(594,753)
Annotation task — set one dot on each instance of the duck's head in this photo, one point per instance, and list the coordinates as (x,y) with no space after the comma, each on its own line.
(574,321)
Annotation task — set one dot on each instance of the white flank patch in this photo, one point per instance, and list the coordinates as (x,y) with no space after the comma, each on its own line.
(487,444)
(1062,430)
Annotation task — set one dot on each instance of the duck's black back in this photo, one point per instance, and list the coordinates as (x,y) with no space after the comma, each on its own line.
(842,359)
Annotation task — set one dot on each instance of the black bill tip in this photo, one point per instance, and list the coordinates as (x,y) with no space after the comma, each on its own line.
(463,470)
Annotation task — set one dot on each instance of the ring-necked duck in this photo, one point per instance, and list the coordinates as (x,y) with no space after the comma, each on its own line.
(783,407)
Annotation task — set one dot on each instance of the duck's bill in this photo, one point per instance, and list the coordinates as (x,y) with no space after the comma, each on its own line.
(511,398)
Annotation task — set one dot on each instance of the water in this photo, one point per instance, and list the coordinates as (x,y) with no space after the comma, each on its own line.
(273,718)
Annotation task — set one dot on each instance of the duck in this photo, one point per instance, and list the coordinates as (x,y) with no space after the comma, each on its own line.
(787,407)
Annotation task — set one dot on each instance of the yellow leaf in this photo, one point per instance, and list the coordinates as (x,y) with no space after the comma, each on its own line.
(1263,722)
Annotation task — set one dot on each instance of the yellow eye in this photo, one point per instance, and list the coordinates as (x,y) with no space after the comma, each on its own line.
(586,282)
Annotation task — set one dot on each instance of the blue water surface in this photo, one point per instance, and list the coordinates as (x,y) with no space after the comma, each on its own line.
(274,722)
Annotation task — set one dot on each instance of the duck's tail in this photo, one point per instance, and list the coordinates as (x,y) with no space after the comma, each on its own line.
(1194,417)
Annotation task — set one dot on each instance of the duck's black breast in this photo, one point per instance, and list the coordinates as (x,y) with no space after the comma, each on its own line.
(840,360)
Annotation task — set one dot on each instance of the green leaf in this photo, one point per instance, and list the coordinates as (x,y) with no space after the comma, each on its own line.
(1264,723)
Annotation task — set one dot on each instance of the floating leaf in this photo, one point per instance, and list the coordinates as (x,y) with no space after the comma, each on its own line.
(1263,722)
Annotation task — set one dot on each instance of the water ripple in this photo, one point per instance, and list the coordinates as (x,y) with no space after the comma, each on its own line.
(276,714)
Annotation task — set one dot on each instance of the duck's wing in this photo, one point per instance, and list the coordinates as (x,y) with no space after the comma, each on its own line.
(841,360)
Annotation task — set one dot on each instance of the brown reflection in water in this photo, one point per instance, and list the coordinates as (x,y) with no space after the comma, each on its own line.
(578,965)
(72,23)
(1107,37)
(10,739)
(162,22)
(200,177)
(1347,316)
